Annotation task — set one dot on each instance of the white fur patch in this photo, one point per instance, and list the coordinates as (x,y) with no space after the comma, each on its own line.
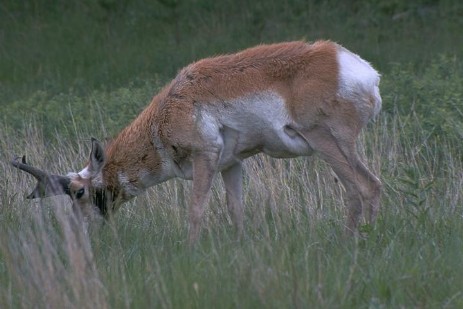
(127,186)
(358,79)
(255,121)
(73,175)
(209,127)
(85,173)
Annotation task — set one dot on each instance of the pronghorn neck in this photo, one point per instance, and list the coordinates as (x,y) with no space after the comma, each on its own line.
(134,158)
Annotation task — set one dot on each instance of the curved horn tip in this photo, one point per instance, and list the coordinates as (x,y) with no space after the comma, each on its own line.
(15,160)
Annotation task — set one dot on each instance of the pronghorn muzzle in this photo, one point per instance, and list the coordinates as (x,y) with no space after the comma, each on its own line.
(47,184)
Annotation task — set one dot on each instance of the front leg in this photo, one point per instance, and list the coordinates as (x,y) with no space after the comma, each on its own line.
(232,179)
(204,170)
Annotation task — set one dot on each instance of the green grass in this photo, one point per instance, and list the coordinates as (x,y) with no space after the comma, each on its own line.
(293,253)
(79,46)
(70,70)
(69,63)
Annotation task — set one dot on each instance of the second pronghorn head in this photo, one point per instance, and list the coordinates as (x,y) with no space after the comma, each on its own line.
(85,188)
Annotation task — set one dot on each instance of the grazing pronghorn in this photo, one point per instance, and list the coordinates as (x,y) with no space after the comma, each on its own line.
(285,100)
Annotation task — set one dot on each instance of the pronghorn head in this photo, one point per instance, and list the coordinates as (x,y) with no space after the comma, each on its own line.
(85,188)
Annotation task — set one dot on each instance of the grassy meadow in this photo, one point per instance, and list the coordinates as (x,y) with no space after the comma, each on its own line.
(70,70)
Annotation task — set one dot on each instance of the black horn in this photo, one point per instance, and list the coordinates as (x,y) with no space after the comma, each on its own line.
(47,184)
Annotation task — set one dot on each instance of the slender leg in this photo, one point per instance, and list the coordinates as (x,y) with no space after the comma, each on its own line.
(232,178)
(204,169)
(371,194)
(362,187)
(369,185)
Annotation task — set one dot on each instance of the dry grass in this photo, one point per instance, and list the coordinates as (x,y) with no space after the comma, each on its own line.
(293,253)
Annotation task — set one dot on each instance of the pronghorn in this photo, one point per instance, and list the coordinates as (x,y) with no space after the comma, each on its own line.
(285,100)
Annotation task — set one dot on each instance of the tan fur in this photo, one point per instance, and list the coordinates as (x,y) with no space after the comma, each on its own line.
(282,99)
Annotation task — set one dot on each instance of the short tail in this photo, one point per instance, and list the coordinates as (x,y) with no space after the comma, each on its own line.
(377,101)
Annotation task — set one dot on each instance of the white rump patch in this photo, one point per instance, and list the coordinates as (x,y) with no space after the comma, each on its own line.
(358,80)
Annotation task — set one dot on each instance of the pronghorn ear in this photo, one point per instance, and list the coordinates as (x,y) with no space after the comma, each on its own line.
(97,158)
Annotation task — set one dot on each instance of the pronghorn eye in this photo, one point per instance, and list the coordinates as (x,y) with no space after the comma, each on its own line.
(79,193)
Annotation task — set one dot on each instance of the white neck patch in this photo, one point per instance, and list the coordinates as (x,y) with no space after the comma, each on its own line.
(128,187)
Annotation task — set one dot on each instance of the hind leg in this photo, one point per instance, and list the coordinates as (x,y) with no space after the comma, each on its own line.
(371,195)
(362,187)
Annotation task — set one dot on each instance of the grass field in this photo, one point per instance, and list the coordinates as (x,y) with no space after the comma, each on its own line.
(293,253)
(86,68)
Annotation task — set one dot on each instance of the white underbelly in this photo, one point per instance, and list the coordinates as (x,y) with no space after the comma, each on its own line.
(246,126)
(260,123)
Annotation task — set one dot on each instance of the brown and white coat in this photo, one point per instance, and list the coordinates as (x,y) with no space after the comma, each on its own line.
(286,100)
